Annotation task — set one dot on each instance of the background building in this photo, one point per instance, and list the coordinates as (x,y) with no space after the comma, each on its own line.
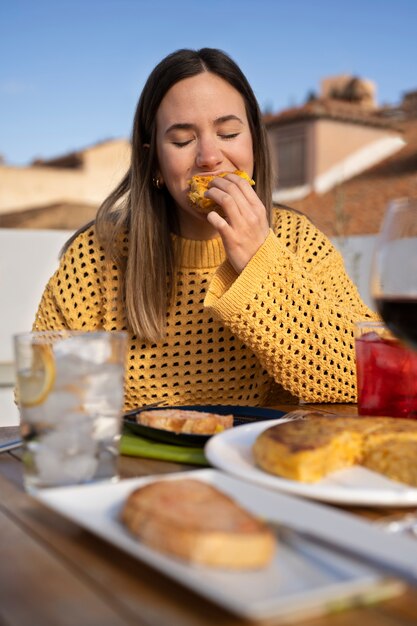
(61,193)
(341,159)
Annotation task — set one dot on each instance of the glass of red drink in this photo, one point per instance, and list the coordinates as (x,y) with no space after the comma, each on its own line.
(386,373)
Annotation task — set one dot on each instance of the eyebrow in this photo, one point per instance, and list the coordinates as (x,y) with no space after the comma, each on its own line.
(217,122)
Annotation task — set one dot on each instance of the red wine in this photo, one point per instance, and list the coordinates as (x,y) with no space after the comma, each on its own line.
(400,315)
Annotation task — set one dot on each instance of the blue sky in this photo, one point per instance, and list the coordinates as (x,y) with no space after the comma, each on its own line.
(72,70)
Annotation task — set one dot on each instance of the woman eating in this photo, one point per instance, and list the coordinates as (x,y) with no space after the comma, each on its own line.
(243,303)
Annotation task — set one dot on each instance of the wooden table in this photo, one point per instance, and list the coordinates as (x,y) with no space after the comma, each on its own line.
(53,573)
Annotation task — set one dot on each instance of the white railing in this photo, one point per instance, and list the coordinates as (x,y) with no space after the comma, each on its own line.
(27,260)
(357,252)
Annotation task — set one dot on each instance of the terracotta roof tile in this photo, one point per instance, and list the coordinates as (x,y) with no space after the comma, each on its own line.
(330,108)
(358,205)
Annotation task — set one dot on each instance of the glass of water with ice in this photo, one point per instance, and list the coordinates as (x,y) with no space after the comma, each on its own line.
(70,396)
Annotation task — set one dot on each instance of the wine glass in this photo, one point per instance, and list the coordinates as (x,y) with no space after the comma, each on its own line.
(394,290)
(394,270)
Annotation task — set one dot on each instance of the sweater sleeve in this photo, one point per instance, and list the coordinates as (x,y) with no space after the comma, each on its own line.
(295,307)
(72,299)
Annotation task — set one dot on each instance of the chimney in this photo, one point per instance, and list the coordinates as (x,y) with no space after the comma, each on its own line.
(348,88)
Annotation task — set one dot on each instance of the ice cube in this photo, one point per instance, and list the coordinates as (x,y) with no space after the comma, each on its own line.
(106,428)
(67,454)
(72,437)
(80,468)
(371,336)
(88,348)
(54,468)
(71,370)
(56,406)
(103,391)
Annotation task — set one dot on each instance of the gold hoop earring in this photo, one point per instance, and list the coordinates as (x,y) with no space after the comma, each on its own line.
(157,182)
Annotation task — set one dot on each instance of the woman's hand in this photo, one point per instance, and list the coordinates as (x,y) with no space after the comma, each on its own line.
(245,226)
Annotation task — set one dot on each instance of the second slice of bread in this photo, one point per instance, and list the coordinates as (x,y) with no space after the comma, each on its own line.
(194,521)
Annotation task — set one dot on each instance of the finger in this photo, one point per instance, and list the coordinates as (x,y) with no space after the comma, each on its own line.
(245,219)
(252,204)
(245,187)
(226,202)
(238,189)
(217,221)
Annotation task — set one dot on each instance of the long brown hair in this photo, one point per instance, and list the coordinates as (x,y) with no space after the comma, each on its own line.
(149,214)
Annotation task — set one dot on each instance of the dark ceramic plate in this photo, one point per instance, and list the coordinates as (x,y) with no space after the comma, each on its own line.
(242,415)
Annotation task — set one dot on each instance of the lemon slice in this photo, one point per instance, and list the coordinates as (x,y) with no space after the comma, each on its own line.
(36,382)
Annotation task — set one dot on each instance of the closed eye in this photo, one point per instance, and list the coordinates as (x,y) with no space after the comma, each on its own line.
(181,144)
(226,136)
(229,135)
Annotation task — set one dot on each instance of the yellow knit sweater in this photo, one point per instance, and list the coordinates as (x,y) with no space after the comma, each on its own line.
(285,324)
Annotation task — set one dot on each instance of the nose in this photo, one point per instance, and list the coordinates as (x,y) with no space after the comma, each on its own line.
(209,156)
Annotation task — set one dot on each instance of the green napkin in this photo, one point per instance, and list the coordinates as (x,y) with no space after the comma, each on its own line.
(133,445)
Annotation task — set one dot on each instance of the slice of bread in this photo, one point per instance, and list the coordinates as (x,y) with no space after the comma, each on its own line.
(185,421)
(196,522)
(198,187)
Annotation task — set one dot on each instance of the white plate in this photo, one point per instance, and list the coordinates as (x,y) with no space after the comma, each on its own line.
(231,451)
(303,579)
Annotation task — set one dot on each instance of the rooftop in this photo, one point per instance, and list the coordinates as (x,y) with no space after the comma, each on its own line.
(329,108)
(358,204)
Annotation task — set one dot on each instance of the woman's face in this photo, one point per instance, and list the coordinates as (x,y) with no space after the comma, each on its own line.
(202,128)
